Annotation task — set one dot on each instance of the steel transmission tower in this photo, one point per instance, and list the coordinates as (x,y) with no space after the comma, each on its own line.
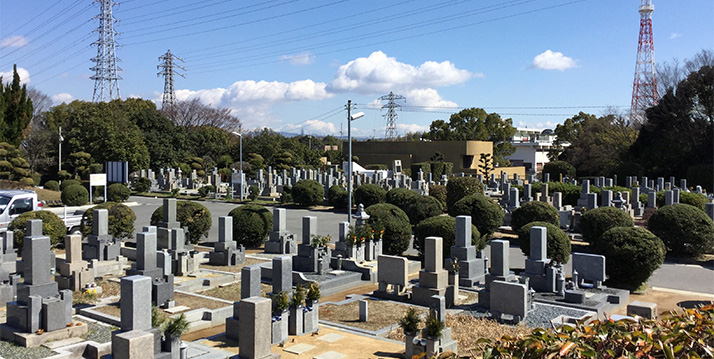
(644,89)
(391,115)
(168,70)
(105,71)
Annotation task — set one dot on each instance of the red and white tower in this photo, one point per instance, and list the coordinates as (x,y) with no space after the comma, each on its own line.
(644,89)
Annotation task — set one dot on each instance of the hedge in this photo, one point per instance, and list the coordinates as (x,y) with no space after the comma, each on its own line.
(400,197)
(684,229)
(308,193)
(460,187)
(444,227)
(632,254)
(558,243)
(52,226)
(337,197)
(194,216)
(395,223)
(52,185)
(75,195)
(141,185)
(121,219)
(369,194)
(415,167)
(534,211)
(556,168)
(597,221)
(376,167)
(693,199)
(439,192)
(117,192)
(251,224)
(485,214)
(69,182)
(420,208)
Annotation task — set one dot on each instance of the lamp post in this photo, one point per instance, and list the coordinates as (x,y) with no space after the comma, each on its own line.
(60,151)
(240,146)
(350,118)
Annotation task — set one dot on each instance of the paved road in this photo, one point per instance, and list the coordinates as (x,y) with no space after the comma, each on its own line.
(687,277)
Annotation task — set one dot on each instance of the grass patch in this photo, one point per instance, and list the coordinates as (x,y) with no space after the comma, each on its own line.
(236,268)
(382,314)
(232,292)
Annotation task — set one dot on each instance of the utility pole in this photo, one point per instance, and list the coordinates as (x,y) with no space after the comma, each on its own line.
(105,76)
(168,70)
(391,131)
(644,88)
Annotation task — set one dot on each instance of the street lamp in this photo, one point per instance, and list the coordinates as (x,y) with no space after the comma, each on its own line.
(60,150)
(350,118)
(240,145)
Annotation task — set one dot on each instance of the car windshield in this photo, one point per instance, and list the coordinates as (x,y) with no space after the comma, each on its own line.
(3,203)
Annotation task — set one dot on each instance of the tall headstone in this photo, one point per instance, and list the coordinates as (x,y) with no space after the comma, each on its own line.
(100,244)
(135,303)
(472,267)
(433,279)
(255,328)
(280,240)
(541,275)
(226,252)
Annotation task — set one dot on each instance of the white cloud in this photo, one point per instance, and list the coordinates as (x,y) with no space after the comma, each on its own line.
(14,41)
(62,98)
(24,76)
(300,59)
(380,73)
(674,35)
(312,126)
(427,99)
(411,127)
(550,60)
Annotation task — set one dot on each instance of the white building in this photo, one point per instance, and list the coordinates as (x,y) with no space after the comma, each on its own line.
(532,146)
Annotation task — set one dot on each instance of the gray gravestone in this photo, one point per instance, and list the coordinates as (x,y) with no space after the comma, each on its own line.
(282,274)
(499,258)
(250,281)
(309,229)
(135,303)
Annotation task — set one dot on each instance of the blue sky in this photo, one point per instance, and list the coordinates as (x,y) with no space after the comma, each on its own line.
(291,65)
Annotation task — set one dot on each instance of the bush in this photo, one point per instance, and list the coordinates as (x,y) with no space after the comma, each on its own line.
(693,199)
(121,219)
(485,214)
(141,185)
(338,197)
(69,182)
(460,187)
(75,195)
(556,168)
(684,229)
(27,181)
(558,243)
(369,194)
(400,197)
(308,193)
(444,227)
(52,185)
(205,190)
(376,167)
(439,169)
(194,216)
(534,211)
(52,226)
(597,221)
(415,167)
(631,254)
(395,223)
(421,208)
(117,192)
(439,192)
(251,224)
(253,192)
(287,197)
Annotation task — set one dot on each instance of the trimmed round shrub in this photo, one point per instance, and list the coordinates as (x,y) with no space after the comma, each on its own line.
(117,192)
(141,185)
(693,199)
(75,195)
(369,194)
(27,181)
(338,197)
(558,243)
(395,224)
(597,221)
(684,229)
(52,185)
(485,214)
(121,219)
(52,226)
(205,190)
(444,227)
(69,182)
(308,193)
(460,187)
(421,208)
(192,215)
(251,224)
(439,192)
(534,211)
(556,168)
(631,254)
(401,197)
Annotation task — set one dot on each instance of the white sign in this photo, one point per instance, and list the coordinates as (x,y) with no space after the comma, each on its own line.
(98,179)
(236,178)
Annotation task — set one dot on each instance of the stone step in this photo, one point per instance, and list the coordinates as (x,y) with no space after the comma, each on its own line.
(62,343)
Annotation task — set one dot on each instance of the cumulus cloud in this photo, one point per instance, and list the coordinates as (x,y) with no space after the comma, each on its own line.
(411,127)
(312,126)
(428,99)
(62,98)
(24,76)
(674,35)
(380,73)
(550,60)
(14,41)
(301,59)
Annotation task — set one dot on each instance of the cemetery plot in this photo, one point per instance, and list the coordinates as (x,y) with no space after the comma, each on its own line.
(232,291)
(236,268)
(382,314)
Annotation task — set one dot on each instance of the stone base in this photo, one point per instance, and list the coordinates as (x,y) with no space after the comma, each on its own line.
(422,295)
(438,279)
(232,329)
(31,340)
(280,330)
(135,344)
(311,317)
(643,309)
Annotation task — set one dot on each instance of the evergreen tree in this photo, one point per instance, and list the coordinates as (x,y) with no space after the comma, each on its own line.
(15,110)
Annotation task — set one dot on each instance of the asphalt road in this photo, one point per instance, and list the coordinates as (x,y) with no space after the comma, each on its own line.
(686,277)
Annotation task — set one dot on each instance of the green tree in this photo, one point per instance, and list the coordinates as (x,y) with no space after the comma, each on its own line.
(567,132)
(15,110)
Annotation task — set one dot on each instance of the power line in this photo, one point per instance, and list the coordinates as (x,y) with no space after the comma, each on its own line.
(34,17)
